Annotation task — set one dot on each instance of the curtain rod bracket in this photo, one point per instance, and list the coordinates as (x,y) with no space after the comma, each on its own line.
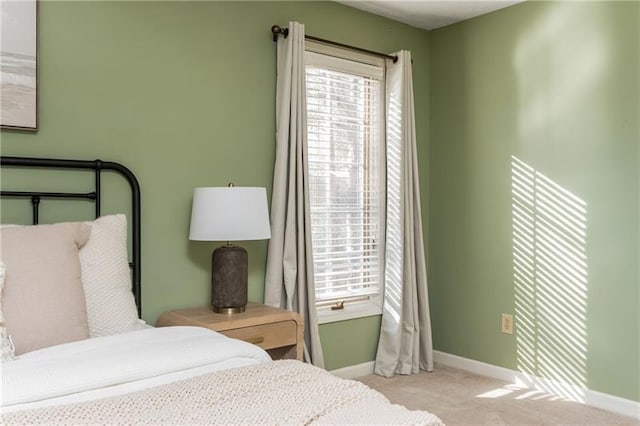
(276,30)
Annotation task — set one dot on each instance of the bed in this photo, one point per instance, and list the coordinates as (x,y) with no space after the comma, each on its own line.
(75,351)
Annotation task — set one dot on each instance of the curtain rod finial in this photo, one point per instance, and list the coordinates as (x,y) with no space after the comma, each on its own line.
(276,30)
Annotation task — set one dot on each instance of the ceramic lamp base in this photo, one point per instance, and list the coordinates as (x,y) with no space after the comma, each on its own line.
(229,276)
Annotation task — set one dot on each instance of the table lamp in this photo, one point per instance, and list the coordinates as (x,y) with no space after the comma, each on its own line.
(229,213)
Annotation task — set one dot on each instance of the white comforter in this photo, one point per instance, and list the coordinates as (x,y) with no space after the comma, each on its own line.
(281,392)
(111,365)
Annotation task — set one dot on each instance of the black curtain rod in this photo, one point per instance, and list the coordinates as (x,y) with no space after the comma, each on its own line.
(277,30)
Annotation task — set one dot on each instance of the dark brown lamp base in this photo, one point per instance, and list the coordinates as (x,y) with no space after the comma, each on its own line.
(229,276)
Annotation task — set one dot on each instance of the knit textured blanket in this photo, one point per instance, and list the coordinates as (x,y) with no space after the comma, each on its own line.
(280,392)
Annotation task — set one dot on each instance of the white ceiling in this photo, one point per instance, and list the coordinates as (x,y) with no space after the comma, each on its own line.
(429,14)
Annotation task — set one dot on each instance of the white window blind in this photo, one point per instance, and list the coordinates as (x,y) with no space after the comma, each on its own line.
(346,178)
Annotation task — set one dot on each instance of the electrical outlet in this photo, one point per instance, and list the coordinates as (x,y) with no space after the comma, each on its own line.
(507,324)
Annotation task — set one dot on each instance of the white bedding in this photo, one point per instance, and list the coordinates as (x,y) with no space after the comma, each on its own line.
(121,363)
(285,392)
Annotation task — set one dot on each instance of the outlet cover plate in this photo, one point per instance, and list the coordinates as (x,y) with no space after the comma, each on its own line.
(507,324)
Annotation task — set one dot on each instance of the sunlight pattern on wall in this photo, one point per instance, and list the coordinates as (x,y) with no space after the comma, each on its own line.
(550,277)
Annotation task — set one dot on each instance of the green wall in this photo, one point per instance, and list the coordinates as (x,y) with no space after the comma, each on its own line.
(553,86)
(183,93)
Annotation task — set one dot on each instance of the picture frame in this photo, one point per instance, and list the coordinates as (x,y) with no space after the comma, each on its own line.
(19,65)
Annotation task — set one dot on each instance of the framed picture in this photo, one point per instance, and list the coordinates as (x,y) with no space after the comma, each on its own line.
(19,64)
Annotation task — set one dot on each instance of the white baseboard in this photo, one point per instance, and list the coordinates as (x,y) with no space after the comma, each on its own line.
(354,371)
(586,396)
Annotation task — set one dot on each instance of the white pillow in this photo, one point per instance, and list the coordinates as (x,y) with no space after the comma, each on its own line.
(106,278)
(8,351)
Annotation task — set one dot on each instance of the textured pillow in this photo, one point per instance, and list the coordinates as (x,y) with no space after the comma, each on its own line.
(43,299)
(106,278)
(5,343)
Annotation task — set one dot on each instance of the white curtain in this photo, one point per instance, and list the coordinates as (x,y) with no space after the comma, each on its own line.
(405,345)
(289,279)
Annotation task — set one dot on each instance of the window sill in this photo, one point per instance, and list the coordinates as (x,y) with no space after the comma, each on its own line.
(350,311)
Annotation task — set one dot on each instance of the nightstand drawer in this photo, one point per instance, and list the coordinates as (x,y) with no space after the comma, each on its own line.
(267,336)
(277,331)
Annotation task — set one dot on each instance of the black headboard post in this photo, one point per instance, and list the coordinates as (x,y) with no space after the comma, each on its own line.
(97,166)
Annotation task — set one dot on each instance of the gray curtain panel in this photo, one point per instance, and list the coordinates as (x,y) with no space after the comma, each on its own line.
(405,345)
(289,279)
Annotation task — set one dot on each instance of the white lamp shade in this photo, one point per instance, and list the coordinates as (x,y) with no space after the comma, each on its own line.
(229,214)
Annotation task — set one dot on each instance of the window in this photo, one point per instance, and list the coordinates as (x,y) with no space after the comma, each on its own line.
(345,126)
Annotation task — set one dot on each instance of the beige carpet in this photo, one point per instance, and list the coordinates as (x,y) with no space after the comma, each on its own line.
(462,398)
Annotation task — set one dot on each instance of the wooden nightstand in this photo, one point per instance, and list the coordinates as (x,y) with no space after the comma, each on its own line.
(277,331)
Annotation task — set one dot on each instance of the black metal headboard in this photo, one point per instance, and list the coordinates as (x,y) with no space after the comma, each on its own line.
(97,166)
